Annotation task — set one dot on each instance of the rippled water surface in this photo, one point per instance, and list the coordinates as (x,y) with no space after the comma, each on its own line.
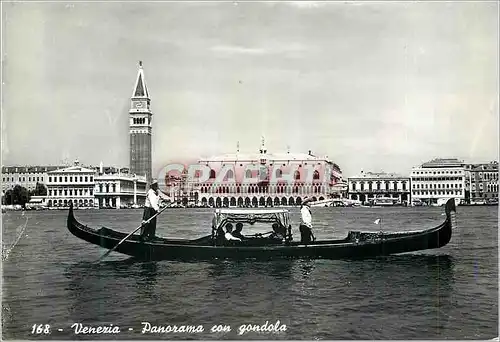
(450,293)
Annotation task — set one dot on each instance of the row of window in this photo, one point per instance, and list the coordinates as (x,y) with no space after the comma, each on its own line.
(140,121)
(489,176)
(262,189)
(85,179)
(262,201)
(76,203)
(107,187)
(434,179)
(22,179)
(70,192)
(378,187)
(253,174)
(489,188)
(447,172)
(436,186)
(245,186)
(438,192)
(480,195)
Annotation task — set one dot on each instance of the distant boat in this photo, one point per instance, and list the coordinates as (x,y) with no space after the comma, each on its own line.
(352,203)
(384,201)
(322,203)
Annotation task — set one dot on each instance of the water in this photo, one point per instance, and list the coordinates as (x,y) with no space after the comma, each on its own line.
(449,293)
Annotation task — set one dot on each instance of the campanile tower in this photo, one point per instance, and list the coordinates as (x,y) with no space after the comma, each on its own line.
(140,128)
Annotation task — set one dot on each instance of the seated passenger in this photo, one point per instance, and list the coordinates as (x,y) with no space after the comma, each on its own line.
(278,233)
(228,235)
(237,232)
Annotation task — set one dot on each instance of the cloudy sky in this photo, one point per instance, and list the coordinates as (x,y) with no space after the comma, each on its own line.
(375,86)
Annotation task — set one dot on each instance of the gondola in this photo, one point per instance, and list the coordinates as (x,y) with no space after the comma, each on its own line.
(357,244)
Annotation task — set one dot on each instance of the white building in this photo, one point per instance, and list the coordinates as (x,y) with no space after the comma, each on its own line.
(25,176)
(436,181)
(368,186)
(72,184)
(120,190)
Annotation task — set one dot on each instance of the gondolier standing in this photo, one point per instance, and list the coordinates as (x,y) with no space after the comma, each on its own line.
(305,228)
(151,207)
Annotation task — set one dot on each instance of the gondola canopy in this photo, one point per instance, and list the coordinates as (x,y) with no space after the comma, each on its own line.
(223,216)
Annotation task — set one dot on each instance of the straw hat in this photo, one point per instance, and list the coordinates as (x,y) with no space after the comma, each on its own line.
(307,201)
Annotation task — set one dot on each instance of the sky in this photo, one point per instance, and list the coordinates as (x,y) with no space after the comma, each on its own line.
(375,86)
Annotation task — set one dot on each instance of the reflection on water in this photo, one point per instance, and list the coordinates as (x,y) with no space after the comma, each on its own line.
(287,290)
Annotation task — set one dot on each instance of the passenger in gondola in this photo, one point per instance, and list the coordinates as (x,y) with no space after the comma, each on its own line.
(237,232)
(229,236)
(278,233)
(306,234)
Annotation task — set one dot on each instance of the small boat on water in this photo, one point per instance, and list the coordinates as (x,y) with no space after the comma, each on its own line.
(322,203)
(384,201)
(357,244)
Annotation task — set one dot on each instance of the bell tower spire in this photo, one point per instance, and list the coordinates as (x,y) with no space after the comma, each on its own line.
(140,128)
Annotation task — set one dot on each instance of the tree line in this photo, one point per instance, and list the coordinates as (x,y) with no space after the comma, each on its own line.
(20,195)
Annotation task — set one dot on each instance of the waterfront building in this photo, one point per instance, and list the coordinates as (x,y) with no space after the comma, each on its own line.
(75,183)
(438,180)
(340,189)
(483,180)
(280,179)
(119,190)
(370,186)
(140,128)
(25,176)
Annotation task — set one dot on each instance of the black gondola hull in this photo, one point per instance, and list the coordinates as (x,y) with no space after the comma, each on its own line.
(355,245)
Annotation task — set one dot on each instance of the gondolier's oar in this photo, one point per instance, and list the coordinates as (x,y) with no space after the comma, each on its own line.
(126,237)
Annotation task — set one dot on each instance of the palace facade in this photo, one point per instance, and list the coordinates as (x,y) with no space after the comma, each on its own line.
(258,180)
(25,176)
(369,186)
(483,180)
(119,190)
(72,184)
(438,180)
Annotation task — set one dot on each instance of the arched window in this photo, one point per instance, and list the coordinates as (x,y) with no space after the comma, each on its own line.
(230,174)
(316,174)
(279,173)
(212,173)
(296,175)
(248,174)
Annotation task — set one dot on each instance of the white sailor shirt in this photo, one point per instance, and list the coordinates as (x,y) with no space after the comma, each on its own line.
(152,200)
(306,216)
